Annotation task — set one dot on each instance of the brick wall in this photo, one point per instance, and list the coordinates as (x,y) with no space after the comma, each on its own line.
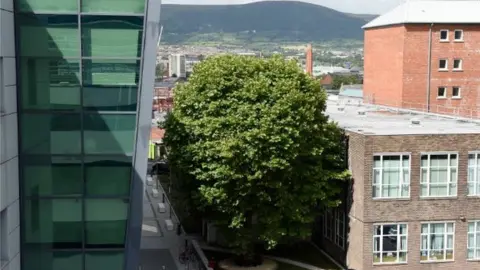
(383,65)
(396,68)
(413,210)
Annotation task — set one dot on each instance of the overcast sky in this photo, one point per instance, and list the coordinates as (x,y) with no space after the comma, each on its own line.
(353,6)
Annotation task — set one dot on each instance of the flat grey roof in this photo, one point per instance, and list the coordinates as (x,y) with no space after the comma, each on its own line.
(381,120)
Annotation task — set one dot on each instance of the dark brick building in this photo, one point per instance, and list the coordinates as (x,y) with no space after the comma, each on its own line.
(414,200)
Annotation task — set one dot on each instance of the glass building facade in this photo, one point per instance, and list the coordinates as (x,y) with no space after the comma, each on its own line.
(79,90)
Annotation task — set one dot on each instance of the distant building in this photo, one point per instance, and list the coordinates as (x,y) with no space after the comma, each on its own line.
(424,55)
(177,66)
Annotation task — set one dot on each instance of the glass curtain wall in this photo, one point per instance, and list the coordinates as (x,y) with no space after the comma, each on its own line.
(78,77)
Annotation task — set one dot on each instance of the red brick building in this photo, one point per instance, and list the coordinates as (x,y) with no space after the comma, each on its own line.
(424,55)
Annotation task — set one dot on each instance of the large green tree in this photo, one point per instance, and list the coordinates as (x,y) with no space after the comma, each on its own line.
(262,156)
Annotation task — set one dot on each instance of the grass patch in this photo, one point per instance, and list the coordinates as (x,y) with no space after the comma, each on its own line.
(303,252)
(220,256)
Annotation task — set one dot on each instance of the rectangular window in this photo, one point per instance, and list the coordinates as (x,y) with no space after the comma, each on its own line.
(3,237)
(474,174)
(334,226)
(457,64)
(47,6)
(112,36)
(100,260)
(56,223)
(437,241)
(442,92)
(456,92)
(329,224)
(49,35)
(106,223)
(443,64)
(473,243)
(51,133)
(340,228)
(443,35)
(458,35)
(106,72)
(390,243)
(391,176)
(108,175)
(109,133)
(113,6)
(52,175)
(439,175)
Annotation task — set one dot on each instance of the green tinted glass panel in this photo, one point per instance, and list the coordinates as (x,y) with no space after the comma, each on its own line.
(53,223)
(46,175)
(114,6)
(109,133)
(110,72)
(112,36)
(108,175)
(101,260)
(51,133)
(42,259)
(105,223)
(47,6)
(50,83)
(49,36)
(104,98)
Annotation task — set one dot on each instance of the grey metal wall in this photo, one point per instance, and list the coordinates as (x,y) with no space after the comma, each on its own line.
(144,116)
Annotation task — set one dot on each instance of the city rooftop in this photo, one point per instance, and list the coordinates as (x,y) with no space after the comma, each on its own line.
(355,116)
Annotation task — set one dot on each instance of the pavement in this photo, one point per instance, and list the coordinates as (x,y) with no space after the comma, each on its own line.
(160,247)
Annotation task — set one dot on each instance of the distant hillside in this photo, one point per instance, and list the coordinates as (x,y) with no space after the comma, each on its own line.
(268,21)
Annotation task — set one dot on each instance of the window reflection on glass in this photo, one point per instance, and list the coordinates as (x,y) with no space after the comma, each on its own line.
(47,175)
(108,175)
(390,243)
(47,6)
(109,133)
(101,260)
(54,223)
(113,6)
(49,35)
(111,72)
(112,36)
(105,223)
(51,133)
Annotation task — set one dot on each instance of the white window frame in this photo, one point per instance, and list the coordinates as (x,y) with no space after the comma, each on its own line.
(449,176)
(475,248)
(402,180)
(399,240)
(440,35)
(328,229)
(475,176)
(335,232)
(446,64)
(459,92)
(445,241)
(340,228)
(454,32)
(460,61)
(444,92)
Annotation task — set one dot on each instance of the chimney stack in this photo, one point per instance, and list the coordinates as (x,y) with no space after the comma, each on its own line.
(309,60)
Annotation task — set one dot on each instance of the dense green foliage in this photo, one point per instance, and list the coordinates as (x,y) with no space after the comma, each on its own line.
(268,21)
(260,156)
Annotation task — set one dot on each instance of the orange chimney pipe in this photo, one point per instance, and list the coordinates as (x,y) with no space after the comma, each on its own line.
(309,60)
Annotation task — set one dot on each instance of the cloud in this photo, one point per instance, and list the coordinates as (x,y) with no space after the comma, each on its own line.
(353,6)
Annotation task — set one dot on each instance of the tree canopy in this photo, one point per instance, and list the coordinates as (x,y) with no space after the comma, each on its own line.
(262,155)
